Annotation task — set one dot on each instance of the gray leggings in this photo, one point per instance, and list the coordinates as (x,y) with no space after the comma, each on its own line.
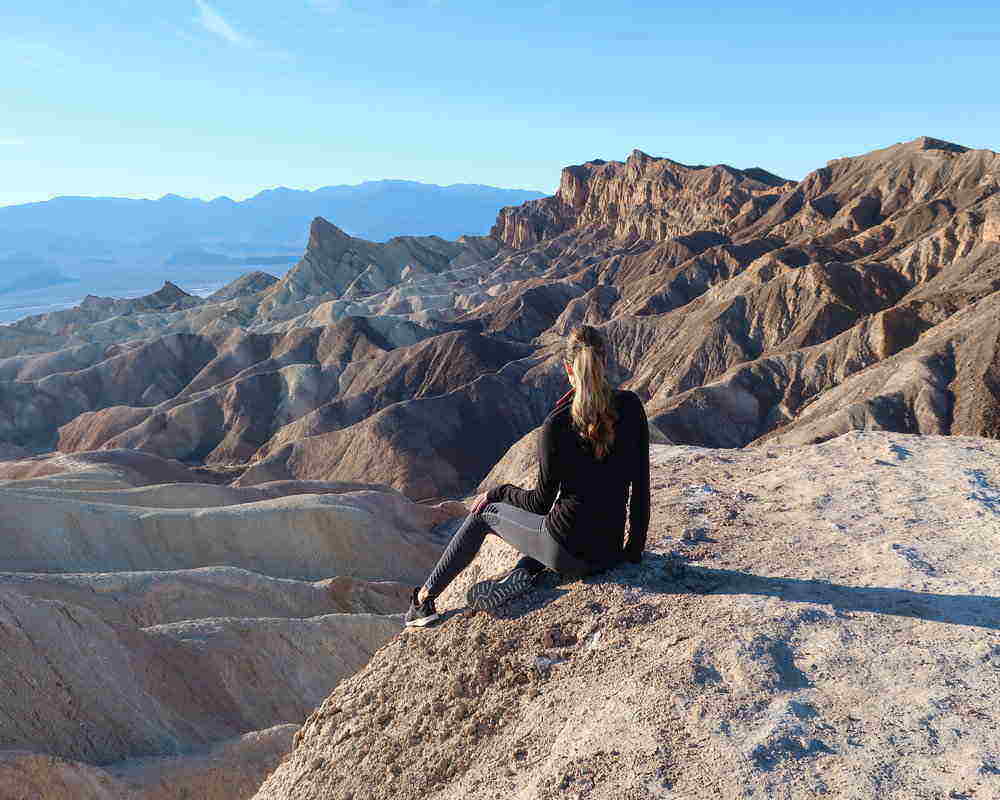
(523,530)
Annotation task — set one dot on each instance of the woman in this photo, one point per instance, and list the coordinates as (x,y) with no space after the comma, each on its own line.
(594,446)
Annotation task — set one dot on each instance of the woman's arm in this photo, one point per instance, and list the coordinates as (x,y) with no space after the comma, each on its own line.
(638,511)
(539,500)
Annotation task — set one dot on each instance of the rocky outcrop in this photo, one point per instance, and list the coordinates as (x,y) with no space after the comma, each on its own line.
(523,312)
(745,651)
(421,447)
(33,367)
(435,366)
(336,264)
(935,343)
(32,410)
(168,298)
(250,284)
(948,382)
(159,597)
(734,339)
(252,385)
(257,385)
(641,198)
(714,285)
(126,674)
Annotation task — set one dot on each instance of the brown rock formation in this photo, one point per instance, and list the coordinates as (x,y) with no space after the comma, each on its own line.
(231,769)
(435,366)
(169,297)
(734,302)
(32,410)
(421,447)
(641,198)
(100,693)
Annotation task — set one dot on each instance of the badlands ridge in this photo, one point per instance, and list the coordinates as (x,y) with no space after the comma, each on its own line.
(211,509)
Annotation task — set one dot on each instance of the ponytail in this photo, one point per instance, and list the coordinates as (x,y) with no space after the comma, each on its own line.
(593,409)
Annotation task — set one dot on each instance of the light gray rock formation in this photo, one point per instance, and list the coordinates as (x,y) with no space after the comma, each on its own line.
(150,598)
(174,683)
(807,622)
(364,534)
(83,689)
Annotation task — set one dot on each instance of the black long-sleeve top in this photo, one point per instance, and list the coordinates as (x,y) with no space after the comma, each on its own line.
(584,500)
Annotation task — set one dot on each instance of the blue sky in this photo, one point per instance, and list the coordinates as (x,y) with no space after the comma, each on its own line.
(227,97)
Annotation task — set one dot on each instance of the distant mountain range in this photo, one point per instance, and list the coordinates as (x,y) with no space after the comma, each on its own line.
(272,221)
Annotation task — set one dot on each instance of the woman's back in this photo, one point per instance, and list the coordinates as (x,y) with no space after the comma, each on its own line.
(589,514)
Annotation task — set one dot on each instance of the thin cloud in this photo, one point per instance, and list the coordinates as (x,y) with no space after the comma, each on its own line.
(11,142)
(213,22)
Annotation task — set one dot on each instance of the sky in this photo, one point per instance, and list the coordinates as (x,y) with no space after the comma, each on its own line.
(227,97)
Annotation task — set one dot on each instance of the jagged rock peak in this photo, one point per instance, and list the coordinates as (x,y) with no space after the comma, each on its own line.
(321,227)
(171,288)
(930,143)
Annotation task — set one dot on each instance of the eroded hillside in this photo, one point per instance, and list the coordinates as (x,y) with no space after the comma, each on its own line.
(214,498)
(740,306)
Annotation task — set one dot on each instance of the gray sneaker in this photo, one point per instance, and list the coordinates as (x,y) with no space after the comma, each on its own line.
(494,592)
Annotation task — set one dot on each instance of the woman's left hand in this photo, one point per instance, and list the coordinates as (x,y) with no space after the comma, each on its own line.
(480,504)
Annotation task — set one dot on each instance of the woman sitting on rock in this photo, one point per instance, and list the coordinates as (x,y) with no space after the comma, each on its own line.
(594,445)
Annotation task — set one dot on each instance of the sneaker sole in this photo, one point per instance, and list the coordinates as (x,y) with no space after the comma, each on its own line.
(487,595)
(420,623)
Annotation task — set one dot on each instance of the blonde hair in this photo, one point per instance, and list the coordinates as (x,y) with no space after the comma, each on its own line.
(593,411)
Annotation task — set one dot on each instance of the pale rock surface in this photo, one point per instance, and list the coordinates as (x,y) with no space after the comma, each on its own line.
(150,598)
(365,534)
(176,683)
(93,471)
(190,495)
(818,621)
(83,689)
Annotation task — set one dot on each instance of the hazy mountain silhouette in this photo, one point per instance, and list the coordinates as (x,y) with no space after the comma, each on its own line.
(271,219)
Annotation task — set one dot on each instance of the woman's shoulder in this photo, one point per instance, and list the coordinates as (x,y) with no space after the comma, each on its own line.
(626,397)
